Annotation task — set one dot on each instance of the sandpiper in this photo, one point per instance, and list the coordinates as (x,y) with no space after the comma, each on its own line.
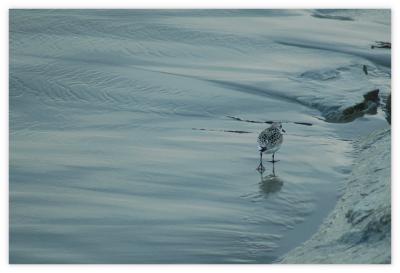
(269,142)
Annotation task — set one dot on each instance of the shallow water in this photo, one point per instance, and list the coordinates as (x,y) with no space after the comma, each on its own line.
(105,166)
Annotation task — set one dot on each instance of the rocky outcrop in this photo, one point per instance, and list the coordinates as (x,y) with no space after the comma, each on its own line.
(368,106)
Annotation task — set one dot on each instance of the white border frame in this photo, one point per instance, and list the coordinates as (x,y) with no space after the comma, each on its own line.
(282,4)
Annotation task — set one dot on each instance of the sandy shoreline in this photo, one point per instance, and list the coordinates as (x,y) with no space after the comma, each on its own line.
(358,230)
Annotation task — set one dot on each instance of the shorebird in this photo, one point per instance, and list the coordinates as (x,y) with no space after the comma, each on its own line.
(269,142)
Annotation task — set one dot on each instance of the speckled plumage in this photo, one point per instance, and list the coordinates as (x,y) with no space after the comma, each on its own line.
(270,140)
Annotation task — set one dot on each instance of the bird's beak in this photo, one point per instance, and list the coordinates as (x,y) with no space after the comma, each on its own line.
(283,130)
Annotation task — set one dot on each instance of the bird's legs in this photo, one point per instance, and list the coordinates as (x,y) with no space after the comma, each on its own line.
(273,169)
(273,158)
(260,167)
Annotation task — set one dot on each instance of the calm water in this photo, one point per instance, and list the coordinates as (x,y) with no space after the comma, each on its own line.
(105,166)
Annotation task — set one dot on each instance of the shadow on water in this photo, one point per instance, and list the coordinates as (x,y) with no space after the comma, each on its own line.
(270,183)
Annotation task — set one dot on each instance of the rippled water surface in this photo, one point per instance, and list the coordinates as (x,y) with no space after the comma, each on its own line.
(105,164)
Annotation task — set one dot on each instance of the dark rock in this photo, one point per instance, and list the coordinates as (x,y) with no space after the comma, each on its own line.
(380,44)
(368,106)
(365,69)
(325,14)
(372,95)
(388,109)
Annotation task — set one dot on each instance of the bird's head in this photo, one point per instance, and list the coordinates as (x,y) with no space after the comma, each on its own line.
(278,125)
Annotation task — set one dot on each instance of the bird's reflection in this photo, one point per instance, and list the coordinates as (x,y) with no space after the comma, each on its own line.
(262,170)
(270,183)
